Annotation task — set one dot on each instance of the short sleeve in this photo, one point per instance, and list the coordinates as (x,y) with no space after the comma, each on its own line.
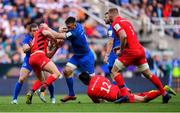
(117,27)
(111,34)
(69,35)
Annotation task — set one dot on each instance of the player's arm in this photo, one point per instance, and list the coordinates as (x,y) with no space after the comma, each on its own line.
(121,35)
(51,52)
(55,34)
(26,44)
(48,34)
(26,48)
(108,49)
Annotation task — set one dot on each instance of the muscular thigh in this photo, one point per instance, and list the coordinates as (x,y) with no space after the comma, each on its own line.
(24,73)
(86,63)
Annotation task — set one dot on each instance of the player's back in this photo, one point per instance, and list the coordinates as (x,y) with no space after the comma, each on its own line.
(121,23)
(78,40)
(100,87)
(39,42)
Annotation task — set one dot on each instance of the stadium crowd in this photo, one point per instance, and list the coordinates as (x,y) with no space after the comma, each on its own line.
(152,11)
(15,16)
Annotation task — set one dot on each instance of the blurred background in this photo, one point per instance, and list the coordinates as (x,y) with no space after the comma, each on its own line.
(157,24)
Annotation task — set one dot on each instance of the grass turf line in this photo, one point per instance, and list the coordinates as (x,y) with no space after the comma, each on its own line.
(86,105)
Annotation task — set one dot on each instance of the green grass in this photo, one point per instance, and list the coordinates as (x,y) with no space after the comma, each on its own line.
(87,106)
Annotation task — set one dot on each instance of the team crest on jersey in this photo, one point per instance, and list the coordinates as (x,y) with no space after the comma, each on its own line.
(68,34)
(110,32)
(117,27)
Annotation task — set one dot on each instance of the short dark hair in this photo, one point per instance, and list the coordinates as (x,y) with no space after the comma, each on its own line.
(70,20)
(85,78)
(113,10)
(33,25)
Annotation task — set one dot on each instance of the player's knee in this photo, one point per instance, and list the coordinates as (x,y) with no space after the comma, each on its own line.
(58,74)
(118,66)
(67,72)
(147,73)
(21,79)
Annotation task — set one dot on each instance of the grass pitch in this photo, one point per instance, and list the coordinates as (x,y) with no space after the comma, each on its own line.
(85,105)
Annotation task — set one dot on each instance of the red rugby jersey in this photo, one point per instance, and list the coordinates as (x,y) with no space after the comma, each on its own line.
(123,24)
(101,88)
(39,42)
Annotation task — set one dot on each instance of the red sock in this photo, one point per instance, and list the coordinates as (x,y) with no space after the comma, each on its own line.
(119,80)
(36,85)
(153,94)
(131,98)
(158,84)
(50,80)
(124,91)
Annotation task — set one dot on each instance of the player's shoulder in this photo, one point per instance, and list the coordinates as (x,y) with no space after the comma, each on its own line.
(27,37)
(78,24)
(110,28)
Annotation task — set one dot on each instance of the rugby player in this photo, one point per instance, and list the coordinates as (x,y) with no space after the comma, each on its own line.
(131,52)
(39,60)
(26,68)
(83,57)
(99,89)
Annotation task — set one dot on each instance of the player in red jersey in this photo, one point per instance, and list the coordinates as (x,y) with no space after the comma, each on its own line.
(100,89)
(39,61)
(131,52)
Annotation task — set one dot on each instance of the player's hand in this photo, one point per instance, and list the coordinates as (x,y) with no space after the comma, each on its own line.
(117,50)
(44,26)
(59,43)
(106,59)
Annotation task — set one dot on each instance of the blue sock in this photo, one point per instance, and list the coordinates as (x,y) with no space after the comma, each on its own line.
(125,85)
(17,90)
(114,82)
(69,82)
(51,90)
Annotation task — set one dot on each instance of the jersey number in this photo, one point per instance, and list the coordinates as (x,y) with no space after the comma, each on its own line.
(106,87)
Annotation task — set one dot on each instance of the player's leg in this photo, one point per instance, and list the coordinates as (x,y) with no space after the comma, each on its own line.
(86,63)
(53,70)
(38,83)
(111,60)
(150,95)
(117,67)
(51,91)
(113,81)
(68,74)
(24,73)
(144,68)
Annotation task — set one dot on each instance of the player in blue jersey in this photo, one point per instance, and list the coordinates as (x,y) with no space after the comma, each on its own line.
(83,57)
(112,43)
(26,68)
